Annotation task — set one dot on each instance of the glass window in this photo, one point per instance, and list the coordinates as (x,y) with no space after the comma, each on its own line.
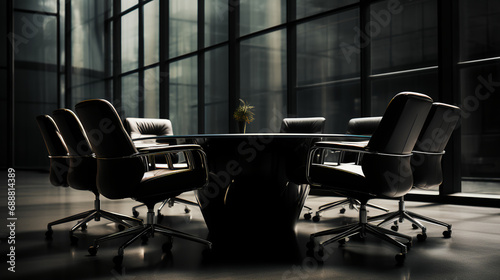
(385,88)
(216,91)
(183,27)
(401,35)
(263,79)
(478,29)
(183,95)
(37,37)
(256,15)
(152,93)
(310,7)
(216,21)
(49,6)
(87,35)
(328,82)
(337,103)
(151,33)
(130,96)
(127,4)
(130,41)
(480,122)
(320,55)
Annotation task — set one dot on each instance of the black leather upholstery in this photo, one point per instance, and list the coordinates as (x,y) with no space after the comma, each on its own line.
(147,127)
(396,134)
(121,172)
(68,144)
(426,165)
(296,160)
(59,164)
(303,125)
(83,166)
(363,126)
(438,128)
(384,169)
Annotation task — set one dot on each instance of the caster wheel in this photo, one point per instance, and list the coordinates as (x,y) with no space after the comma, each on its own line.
(93,250)
(395,227)
(342,211)
(414,226)
(135,214)
(144,239)
(400,258)
(120,227)
(421,237)
(118,260)
(316,218)
(342,242)
(187,210)
(447,233)
(73,239)
(48,234)
(84,227)
(167,246)
(307,216)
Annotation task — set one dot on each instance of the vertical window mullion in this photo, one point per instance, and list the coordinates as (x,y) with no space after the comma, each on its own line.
(201,66)
(141,59)
(164,67)
(117,56)
(234,61)
(365,66)
(291,49)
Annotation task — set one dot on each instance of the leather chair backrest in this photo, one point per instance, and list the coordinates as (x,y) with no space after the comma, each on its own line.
(72,132)
(396,134)
(437,131)
(363,125)
(401,123)
(56,148)
(438,127)
(303,125)
(145,127)
(104,129)
(117,171)
(297,157)
(83,166)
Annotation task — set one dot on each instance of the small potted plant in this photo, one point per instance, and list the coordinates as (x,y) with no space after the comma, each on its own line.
(243,115)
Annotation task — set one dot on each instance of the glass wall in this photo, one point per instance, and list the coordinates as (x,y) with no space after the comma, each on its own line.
(191,61)
(36,77)
(328,81)
(88,57)
(479,81)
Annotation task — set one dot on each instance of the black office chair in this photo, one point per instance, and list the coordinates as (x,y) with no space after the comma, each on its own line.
(62,173)
(81,172)
(122,173)
(355,126)
(384,169)
(147,127)
(426,166)
(297,163)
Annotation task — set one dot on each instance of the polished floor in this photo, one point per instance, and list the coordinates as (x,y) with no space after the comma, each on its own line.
(473,251)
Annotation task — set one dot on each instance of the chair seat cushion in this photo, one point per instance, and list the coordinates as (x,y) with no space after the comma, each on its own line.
(159,184)
(346,179)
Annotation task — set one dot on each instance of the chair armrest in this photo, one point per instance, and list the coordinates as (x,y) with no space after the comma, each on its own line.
(429,153)
(164,149)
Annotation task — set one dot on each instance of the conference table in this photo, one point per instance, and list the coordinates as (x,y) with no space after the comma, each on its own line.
(257,182)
